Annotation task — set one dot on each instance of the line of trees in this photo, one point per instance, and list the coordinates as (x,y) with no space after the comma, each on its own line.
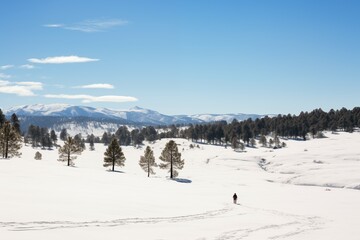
(240,134)
(114,156)
(40,137)
(170,157)
(236,134)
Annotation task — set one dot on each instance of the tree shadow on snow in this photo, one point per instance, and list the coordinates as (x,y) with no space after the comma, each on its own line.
(115,171)
(182,180)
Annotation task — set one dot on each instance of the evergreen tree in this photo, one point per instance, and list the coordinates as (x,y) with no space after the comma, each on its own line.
(45,138)
(2,118)
(67,151)
(63,134)
(149,133)
(15,122)
(79,141)
(53,137)
(123,135)
(91,140)
(105,138)
(171,158)
(276,141)
(137,137)
(234,143)
(10,140)
(114,155)
(263,141)
(247,134)
(148,161)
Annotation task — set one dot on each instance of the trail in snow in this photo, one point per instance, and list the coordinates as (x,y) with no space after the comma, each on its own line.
(292,225)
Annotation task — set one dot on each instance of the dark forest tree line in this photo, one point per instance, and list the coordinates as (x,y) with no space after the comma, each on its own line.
(234,134)
(245,132)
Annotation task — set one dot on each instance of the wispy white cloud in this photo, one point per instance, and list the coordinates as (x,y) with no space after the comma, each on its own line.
(31,85)
(90,25)
(27,66)
(53,25)
(4,76)
(90,99)
(97,86)
(62,59)
(4,83)
(24,89)
(5,67)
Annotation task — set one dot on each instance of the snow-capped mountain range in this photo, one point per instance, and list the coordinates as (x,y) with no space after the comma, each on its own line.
(134,115)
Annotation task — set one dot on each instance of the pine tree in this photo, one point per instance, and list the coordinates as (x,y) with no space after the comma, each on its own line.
(15,122)
(79,141)
(63,134)
(91,140)
(234,143)
(263,140)
(106,138)
(53,137)
(148,161)
(67,151)
(2,118)
(45,138)
(123,135)
(171,158)
(276,141)
(10,140)
(114,155)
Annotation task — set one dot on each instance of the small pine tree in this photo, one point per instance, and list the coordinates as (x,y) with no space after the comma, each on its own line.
(92,145)
(171,158)
(53,137)
(67,151)
(63,134)
(148,161)
(38,156)
(15,122)
(263,141)
(276,141)
(114,155)
(91,141)
(234,143)
(106,138)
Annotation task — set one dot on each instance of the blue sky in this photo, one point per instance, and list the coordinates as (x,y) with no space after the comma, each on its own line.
(182,57)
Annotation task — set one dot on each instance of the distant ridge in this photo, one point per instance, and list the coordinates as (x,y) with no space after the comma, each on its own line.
(135,115)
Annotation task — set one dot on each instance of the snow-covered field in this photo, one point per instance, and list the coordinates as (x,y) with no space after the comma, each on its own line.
(308,190)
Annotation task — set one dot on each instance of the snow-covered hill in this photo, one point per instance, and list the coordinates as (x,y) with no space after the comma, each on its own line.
(291,200)
(133,115)
(225,117)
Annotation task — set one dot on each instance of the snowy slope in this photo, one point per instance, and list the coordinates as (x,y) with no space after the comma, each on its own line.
(225,117)
(47,200)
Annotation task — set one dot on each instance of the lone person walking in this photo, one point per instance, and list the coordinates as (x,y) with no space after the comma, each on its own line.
(235,198)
